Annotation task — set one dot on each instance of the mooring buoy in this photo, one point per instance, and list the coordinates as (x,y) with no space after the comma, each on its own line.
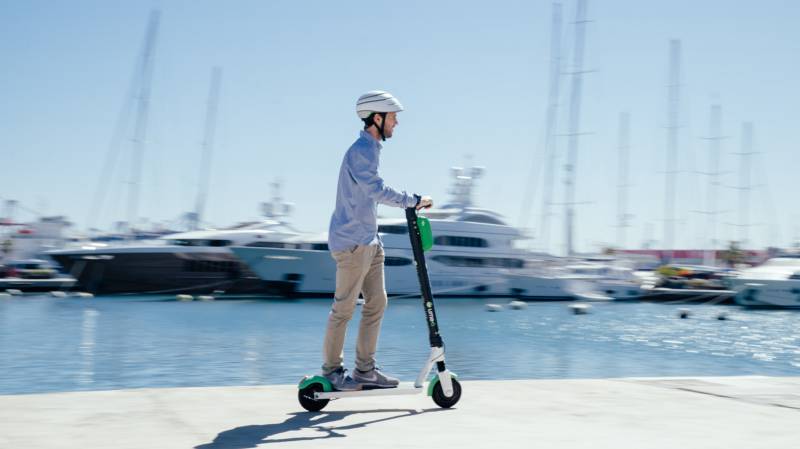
(580,309)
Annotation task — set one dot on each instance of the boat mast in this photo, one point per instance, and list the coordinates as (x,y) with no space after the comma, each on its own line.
(573,127)
(140,126)
(672,145)
(208,145)
(715,140)
(622,187)
(551,124)
(745,187)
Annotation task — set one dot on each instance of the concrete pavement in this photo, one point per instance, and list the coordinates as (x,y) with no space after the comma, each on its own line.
(720,412)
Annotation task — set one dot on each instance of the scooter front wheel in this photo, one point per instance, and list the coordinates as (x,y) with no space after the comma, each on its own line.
(443,401)
(306,398)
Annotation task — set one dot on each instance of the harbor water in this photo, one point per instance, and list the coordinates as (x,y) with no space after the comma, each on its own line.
(67,344)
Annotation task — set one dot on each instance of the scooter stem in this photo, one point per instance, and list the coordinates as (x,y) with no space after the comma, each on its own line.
(424,281)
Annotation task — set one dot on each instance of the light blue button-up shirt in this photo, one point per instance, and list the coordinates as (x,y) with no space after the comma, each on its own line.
(355,219)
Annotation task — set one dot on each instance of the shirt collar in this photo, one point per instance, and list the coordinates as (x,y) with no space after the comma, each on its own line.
(371,139)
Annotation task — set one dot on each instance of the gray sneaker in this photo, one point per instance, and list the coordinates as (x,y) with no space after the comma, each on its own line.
(374,378)
(342,381)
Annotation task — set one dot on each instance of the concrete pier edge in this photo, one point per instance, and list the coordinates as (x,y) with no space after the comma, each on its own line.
(687,412)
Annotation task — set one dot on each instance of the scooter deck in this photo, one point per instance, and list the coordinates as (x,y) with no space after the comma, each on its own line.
(403,388)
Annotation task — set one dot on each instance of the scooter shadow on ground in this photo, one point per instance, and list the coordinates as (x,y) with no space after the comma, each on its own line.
(254,435)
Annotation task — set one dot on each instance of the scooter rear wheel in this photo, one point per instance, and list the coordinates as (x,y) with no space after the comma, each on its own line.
(443,401)
(306,398)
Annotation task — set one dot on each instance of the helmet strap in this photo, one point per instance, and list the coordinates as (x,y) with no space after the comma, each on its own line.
(380,127)
(370,121)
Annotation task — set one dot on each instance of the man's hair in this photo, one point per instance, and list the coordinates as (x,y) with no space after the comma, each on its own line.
(370,120)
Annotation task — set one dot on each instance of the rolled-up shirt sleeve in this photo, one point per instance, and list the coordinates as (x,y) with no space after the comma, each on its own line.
(363,170)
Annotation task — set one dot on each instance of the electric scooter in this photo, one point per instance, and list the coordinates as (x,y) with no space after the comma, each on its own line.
(316,391)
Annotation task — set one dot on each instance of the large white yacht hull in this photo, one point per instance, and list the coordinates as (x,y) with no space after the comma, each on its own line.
(542,287)
(313,272)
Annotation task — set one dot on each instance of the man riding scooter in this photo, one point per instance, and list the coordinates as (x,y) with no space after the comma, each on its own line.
(355,246)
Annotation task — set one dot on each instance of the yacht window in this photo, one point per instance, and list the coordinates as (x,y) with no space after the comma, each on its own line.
(393,229)
(510,263)
(211,266)
(492,262)
(197,242)
(396,261)
(269,245)
(457,261)
(319,246)
(453,240)
(27,266)
(245,225)
(219,243)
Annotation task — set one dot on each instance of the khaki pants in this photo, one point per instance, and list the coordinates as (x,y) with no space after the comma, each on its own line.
(358,270)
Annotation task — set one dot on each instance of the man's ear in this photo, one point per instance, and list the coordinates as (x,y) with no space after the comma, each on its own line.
(377,119)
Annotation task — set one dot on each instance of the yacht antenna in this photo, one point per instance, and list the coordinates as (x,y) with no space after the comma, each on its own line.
(208,145)
(140,125)
(276,209)
(464,184)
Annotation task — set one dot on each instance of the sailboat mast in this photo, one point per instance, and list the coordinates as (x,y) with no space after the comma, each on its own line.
(574,126)
(622,187)
(672,145)
(550,126)
(140,126)
(715,141)
(208,145)
(744,182)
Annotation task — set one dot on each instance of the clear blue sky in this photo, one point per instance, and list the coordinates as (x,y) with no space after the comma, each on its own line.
(473,78)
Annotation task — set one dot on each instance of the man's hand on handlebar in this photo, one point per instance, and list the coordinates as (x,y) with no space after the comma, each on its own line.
(426,202)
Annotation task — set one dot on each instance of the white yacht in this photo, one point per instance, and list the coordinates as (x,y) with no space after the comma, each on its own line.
(606,277)
(474,251)
(581,279)
(775,283)
(541,280)
(189,262)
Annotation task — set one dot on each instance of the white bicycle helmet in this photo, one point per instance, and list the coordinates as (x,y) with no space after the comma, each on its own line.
(376,101)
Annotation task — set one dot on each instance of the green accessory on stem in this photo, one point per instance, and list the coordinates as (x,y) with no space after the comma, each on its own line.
(425,233)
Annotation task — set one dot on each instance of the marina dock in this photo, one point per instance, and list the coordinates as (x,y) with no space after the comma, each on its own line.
(703,412)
